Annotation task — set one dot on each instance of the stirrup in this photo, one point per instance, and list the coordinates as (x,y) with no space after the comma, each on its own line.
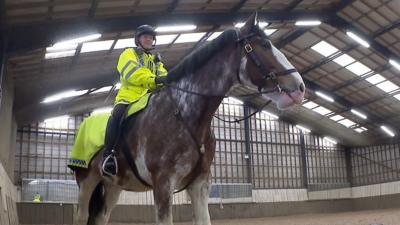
(112,156)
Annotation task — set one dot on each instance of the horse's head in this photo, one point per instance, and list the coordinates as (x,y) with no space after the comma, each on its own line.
(265,68)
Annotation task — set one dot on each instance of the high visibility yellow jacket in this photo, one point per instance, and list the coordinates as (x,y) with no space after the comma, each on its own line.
(138,71)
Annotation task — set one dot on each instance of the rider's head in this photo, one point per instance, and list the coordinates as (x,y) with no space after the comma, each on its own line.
(145,37)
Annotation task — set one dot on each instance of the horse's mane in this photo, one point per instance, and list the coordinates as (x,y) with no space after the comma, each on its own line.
(200,56)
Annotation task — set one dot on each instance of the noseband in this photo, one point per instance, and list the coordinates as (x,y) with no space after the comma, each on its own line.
(266,73)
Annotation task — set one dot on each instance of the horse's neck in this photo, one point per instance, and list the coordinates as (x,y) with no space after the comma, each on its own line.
(216,77)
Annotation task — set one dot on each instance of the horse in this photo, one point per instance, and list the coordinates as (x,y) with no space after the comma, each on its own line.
(170,144)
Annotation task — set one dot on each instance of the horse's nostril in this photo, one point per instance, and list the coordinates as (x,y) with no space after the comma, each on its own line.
(301,87)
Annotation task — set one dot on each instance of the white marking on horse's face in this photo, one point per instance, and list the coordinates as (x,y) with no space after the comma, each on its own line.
(291,82)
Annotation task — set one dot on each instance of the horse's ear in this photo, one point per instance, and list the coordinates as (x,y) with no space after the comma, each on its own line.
(250,23)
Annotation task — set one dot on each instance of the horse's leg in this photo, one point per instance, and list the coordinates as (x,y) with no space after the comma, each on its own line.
(163,203)
(199,191)
(111,196)
(87,184)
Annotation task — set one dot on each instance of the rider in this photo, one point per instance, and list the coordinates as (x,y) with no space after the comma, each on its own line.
(140,72)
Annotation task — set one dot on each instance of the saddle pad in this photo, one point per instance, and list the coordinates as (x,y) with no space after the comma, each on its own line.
(90,136)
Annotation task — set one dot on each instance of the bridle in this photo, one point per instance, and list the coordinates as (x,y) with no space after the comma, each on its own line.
(266,73)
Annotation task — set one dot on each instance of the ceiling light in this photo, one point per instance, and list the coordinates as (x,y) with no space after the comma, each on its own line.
(344,60)
(324,96)
(388,131)
(96,46)
(190,37)
(306,130)
(395,64)
(176,28)
(310,105)
(90,37)
(102,110)
(324,48)
(322,110)
(308,23)
(268,32)
(358,39)
(358,68)
(387,86)
(377,78)
(270,114)
(358,113)
(331,140)
(62,95)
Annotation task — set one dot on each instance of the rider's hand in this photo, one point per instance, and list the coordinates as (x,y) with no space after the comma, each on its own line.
(161,80)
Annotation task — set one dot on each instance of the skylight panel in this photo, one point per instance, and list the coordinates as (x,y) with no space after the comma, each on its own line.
(322,110)
(191,37)
(310,105)
(165,39)
(358,68)
(81,39)
(261,24)
(324,48)
(331,140)
(397,96)
(96,46)
(61,48)
(176,28)
(56,119)
(102,110)
(214,35)
(268,32)
(125,43)
(304,129)
(62,95)
(102,90)
(232,100)
(346,122)
(387,86)
(336,117)
(270,114)
(53,55)
(344,60)
(360,129)
(377,78)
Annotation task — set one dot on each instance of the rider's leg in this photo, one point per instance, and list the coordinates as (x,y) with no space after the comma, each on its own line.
(109,165)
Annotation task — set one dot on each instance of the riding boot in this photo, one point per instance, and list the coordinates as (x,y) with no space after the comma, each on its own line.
(109,164)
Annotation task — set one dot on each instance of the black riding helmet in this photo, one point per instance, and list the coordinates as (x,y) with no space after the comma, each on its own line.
(144,29)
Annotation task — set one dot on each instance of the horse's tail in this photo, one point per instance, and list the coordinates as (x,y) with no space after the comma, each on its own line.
(96,203)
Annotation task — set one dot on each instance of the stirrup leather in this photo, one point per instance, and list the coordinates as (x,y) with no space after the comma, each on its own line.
(112,156)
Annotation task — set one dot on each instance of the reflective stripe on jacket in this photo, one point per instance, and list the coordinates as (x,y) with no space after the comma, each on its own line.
(137,75)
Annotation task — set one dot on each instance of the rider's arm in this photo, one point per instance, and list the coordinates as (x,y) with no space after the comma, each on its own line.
(133,72)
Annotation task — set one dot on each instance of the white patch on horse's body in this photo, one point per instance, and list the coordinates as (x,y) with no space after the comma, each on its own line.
(140,162)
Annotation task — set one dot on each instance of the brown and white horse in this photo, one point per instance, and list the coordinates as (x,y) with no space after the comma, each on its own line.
(171,142)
